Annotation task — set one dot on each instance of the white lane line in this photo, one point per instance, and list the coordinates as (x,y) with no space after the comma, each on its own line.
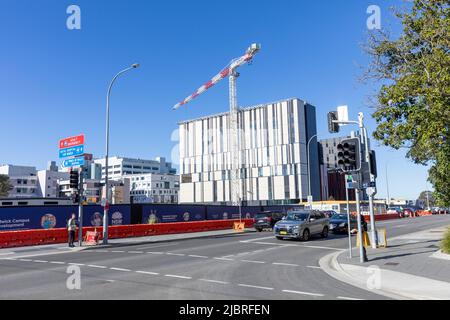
(285,264)
(148,273)
(347,298)
(313,267)
(6,254)
(304,293)
(152,252)
(175,254)
(57,262)
(10,259)
(213,281)
(223,259)
(101,251)
(117,251)
(40,261)
(250,261)
(257,239)
(299,245)
(26,260)
(257,251)
(178,277)
(200,257)
(135,252)
(254,287)
(120,269)
(98,267)
(77,264)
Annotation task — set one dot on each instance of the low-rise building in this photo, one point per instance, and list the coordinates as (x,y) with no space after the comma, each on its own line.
(155,188)
(24,181)
(49,180)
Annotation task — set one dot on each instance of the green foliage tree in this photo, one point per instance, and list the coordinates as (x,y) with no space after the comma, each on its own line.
(427,197)
(413,103)
(5,186)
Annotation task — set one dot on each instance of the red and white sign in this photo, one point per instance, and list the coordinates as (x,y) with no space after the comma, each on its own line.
(71,142)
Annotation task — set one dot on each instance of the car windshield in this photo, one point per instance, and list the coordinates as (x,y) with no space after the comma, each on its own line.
(297,216)
(262,215)
(339,217)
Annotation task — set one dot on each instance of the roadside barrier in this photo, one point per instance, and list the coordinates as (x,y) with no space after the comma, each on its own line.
(10,239)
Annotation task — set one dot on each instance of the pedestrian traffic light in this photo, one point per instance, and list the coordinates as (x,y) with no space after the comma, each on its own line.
(373,164)
(74,177)
(333,127)
(349,155)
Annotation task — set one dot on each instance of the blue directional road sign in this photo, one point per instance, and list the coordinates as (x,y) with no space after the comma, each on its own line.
(74,162)
(71,152)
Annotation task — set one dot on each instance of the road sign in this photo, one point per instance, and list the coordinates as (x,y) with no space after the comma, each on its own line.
(71,152)
(71,142)
(74,162)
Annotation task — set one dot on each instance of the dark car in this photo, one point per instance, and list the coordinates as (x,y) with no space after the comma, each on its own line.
(339,223)
(329,213)
(267,219)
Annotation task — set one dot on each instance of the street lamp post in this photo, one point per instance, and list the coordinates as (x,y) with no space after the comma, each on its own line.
(309,165)
(106,205)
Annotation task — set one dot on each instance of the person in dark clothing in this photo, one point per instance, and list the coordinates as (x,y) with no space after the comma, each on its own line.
(364,230)
(71,228)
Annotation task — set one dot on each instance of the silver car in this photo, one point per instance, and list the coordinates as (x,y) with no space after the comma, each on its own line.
(302,225)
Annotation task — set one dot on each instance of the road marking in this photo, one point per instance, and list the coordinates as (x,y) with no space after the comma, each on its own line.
(298,245)
(120,269)
(11,259)
(285,264)
(175,254)
(148,272)
(178,277)
(26,260)
(304,293)
(195,256)
(347,298)
(313,267)
(98,267)
(214,281)
(324,248)
(101,251)
(117,251)
(6,254)
(155,252)
(57,262)
(40,261)
(223,259)
(250,261)
(77,264)
(135,252)
(254,287)
(257,239)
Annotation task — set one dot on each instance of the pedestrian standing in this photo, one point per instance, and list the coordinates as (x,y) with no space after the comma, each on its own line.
(71,228)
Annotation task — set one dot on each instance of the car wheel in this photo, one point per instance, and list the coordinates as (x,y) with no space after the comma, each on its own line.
(259,230)
(306,235)
(280,238)
(325,232)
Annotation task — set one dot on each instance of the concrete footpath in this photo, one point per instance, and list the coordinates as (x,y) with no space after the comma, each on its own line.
(412,267)
(33,251)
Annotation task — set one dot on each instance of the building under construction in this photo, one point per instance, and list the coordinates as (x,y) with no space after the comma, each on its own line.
(273,156)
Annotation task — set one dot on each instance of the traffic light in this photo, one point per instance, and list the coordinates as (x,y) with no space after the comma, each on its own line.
(332,126)
(349,155)
(74,179)
(373,163)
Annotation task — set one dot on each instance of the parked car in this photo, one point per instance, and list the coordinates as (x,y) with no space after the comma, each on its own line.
(396,210)
(339,223)
(302,225)
(267,219)
(329,213)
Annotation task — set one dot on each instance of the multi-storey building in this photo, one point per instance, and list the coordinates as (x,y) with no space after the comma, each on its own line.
(120,166)
(155,188)
(24,181)
(49,180)
(273,161)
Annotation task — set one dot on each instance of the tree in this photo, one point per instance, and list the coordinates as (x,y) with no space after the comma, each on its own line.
(413,103)
(427,198)
(5,186)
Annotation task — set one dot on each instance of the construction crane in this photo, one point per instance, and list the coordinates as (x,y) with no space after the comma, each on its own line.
(232,74)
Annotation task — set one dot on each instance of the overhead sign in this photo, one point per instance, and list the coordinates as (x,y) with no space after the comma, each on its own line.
(342,114)
(74,162)
(71,152)
(71,142)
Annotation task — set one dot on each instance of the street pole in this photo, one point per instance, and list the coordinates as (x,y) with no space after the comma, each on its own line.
(364,134)
(309,165)
(106,207)
(388,202)
(80,207)
(360,232)
(348,220)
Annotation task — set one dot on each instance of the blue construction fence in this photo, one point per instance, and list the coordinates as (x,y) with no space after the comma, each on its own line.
(50,217)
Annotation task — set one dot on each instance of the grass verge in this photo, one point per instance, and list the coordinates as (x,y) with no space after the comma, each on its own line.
(445,244)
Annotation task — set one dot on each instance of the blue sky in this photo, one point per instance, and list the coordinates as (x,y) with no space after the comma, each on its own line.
(54,80)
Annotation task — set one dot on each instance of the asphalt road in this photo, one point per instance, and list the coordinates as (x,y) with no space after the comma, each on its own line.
(233,267)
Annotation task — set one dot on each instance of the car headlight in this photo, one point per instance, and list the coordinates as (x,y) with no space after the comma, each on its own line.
(342,224)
